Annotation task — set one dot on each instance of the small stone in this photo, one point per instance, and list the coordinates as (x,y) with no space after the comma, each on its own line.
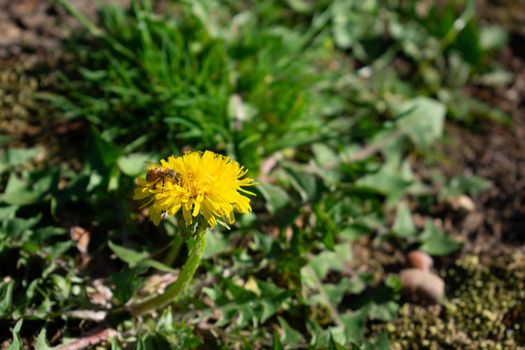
(420,260)
(81,236)
(473,221)
(462,203)
(10,33)
(422,286)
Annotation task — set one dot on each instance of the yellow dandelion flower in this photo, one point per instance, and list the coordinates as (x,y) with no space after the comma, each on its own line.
(195,183)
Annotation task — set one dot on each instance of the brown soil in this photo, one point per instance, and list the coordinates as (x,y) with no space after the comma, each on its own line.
(497,152)
(35,27)
(31,35)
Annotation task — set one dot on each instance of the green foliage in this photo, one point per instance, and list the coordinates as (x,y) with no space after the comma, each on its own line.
(16,156)
(436,242)
(422,120)
(16,344)
(165,76)
(403,225)
(465,184)
(6,294)
(328,104)
(170,76)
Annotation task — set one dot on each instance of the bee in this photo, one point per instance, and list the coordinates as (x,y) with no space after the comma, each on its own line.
(159,175)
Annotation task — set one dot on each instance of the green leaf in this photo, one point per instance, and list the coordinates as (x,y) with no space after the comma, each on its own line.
(127,283)
(114,344)
(16,156)
(133,258)
(240,306)
(462,184)
(335,345)
(16,184)
(5,139)
(289,336)
(7,212)
(327,226)
(325,156)
(404,226)
(276,343)
(133,164)
(354,323)
(387,182)
(300,6)
(18,229)
(353,22)
(272,297)
(379,343)
(128,255)
(16,344)
(468,40)
(6,297)
(384,311)
(58,249)
(276,197)
(394,283)
(41,341)
(493,37)
(104,154)
(141,343)
(327,261)
(215,245)
(495,78)
(304,183)
(335,291)
(328,239)
(18,192)
(43,234)
(422,120)
(435,242)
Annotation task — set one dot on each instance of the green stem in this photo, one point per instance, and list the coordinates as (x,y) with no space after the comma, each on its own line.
(196,249)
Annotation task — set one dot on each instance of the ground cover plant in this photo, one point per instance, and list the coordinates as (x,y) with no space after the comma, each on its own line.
(337,109)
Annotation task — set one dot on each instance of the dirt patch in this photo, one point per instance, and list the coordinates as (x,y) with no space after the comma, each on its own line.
(496,152)
(484,288)
(31,57)
(36,27)
(509,13)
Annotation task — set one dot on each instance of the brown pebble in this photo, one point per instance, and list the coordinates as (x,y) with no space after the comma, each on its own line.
(462,203)
(420,260)
(422,286)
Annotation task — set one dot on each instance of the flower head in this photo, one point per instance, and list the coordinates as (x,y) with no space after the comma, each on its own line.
(195,183)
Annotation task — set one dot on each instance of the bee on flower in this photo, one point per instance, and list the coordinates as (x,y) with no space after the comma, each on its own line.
(195,183)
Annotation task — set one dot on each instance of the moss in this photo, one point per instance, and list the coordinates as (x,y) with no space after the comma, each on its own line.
(485,309)
(17,103)
(29,120)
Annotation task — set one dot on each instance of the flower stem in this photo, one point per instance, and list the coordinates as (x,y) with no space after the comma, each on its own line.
(196,246)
